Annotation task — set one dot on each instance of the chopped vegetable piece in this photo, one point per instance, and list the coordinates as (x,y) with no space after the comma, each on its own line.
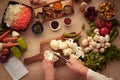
(22,44)
(16,52)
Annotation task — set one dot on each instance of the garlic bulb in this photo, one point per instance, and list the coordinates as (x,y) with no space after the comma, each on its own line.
(87,49)
(107,38)
(89,39)
(96,37)
(102,50)
(96,31)
(85,42)
(98,45)
(82,6)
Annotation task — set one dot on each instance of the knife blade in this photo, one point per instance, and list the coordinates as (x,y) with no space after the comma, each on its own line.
(55,53)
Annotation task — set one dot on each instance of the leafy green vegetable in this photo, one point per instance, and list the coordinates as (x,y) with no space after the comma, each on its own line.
(94,61)
(112,53)
(113,33)
(115,22)
(98,61)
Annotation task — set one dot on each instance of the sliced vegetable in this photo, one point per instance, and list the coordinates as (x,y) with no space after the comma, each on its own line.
(22,44)
(16,52)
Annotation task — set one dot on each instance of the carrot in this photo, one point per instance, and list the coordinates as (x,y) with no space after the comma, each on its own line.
(4,34)
(7,45)
(10,39)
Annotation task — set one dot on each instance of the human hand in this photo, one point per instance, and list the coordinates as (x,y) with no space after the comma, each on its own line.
(48,69)
(77,67)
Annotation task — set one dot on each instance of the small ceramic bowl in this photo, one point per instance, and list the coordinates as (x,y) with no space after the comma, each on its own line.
(55,25)
(37,28)
(67,21)
(105,8)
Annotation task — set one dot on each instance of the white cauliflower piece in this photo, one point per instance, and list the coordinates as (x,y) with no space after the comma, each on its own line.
(71,44)
(54,44)
(67,51)
(50,56)
(79,53)
(62,45)
(72,56)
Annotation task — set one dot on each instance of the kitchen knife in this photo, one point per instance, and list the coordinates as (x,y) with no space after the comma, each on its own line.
(58,55)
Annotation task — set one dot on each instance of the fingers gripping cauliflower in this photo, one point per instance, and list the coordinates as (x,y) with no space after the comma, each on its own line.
(50,56)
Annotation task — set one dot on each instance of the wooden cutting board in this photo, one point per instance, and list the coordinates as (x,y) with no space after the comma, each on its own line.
(45,45)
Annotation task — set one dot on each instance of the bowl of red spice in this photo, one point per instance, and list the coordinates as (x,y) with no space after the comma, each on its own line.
(55,25)
(67,21)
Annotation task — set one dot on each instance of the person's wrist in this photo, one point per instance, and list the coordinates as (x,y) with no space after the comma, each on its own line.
(49,77)
(83,71)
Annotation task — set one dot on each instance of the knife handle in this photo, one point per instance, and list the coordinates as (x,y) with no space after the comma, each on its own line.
(32,59)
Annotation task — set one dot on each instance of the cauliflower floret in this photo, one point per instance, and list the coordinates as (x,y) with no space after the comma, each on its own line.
(67,51)
(54,44)
(62,45)
(50,56)
(71,44)
(72,56)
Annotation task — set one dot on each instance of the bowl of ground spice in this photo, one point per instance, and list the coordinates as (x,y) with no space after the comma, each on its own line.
(55,25)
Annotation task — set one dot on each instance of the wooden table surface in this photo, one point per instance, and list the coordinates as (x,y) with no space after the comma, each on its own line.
(33,41)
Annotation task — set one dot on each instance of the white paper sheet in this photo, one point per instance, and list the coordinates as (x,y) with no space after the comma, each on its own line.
(15,68)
